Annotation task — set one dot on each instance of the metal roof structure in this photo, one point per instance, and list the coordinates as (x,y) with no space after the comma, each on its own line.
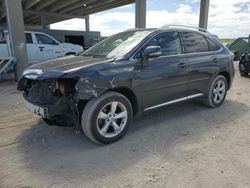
(52,11)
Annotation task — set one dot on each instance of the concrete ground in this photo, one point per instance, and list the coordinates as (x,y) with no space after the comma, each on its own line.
(184,145)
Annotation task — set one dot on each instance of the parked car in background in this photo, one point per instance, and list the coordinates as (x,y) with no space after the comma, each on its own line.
(127,74)
(239,47)
(40,47)
(244,64)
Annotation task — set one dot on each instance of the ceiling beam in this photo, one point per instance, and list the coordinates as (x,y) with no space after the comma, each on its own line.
(61,4)
(31,19)
(30,3)
(54,20)
(43,4)
(77,5)
(41,13)
(100,7)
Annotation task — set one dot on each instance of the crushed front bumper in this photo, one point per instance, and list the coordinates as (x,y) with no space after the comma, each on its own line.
(62,112)
(38,110)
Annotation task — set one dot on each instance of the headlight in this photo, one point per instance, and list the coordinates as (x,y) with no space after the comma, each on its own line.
(32,71)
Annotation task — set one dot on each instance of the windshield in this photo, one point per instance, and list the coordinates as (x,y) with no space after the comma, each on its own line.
(117,45)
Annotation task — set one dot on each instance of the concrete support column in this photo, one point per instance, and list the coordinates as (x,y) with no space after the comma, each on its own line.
(204,9)
(87,33)
(140,13)
(44,22)
(14,14)
(87,23)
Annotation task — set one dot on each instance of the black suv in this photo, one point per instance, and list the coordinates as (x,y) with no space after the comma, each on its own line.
(244,64)
(100,90)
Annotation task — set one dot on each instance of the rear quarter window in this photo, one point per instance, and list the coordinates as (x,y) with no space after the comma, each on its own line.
(194,43)
(212,45)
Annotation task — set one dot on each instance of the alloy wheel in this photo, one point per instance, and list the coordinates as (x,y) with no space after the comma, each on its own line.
(219,91)
(111,119)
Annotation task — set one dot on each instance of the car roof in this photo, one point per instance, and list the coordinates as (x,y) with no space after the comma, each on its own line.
(176,28)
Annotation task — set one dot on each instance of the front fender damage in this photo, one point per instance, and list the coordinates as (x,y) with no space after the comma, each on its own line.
(88,88)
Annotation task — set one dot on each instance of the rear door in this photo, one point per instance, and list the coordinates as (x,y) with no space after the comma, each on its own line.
(47,48)
(164,79)
(202,58)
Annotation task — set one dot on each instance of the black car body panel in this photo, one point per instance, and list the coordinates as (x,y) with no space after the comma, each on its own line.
(148,84)
(244,64)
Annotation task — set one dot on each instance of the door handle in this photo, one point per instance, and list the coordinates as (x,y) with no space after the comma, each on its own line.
(41,48)
(181,65)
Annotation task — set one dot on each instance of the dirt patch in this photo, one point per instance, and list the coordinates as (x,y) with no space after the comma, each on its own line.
(185,145)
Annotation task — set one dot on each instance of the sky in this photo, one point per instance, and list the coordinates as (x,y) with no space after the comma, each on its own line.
(227,18)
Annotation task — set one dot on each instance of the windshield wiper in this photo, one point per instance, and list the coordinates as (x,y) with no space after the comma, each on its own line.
(98,55)
(87,55)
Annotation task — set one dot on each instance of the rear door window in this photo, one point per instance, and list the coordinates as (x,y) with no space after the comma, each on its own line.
(28,38)
(194,43)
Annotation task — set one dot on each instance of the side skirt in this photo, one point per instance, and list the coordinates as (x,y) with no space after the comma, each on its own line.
(175,101)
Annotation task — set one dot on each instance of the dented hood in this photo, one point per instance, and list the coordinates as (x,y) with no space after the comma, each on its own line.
(67,64)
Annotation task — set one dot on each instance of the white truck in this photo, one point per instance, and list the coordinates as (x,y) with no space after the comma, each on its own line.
(40,47)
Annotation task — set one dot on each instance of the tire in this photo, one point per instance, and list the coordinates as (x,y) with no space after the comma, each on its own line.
(242,70)
(50,122)
(244,74)
(216,89)
(103,125)
(70,53)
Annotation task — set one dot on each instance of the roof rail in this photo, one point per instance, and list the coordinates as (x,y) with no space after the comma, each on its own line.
(185,26)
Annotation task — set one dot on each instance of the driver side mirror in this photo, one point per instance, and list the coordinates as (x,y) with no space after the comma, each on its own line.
(151,52)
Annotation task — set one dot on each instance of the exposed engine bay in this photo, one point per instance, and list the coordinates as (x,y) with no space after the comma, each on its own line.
(56,99)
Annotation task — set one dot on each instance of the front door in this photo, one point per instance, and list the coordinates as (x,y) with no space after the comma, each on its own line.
(47,48)
(163,79)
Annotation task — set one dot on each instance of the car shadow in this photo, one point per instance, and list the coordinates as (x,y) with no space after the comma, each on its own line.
(59,153)
(247,76)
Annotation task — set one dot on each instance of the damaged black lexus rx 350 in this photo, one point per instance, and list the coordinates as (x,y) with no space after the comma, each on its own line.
(100,90)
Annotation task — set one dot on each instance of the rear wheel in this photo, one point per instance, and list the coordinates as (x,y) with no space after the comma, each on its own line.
(217,92)
(107,118)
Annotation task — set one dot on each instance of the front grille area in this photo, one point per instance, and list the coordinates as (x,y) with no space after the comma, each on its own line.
(41,92)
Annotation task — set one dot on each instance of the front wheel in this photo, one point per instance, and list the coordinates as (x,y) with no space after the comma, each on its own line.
(217,92)
(106,119)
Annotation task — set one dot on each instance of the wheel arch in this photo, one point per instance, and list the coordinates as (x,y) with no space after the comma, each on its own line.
(70,53)
(227,76)
(130,95)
